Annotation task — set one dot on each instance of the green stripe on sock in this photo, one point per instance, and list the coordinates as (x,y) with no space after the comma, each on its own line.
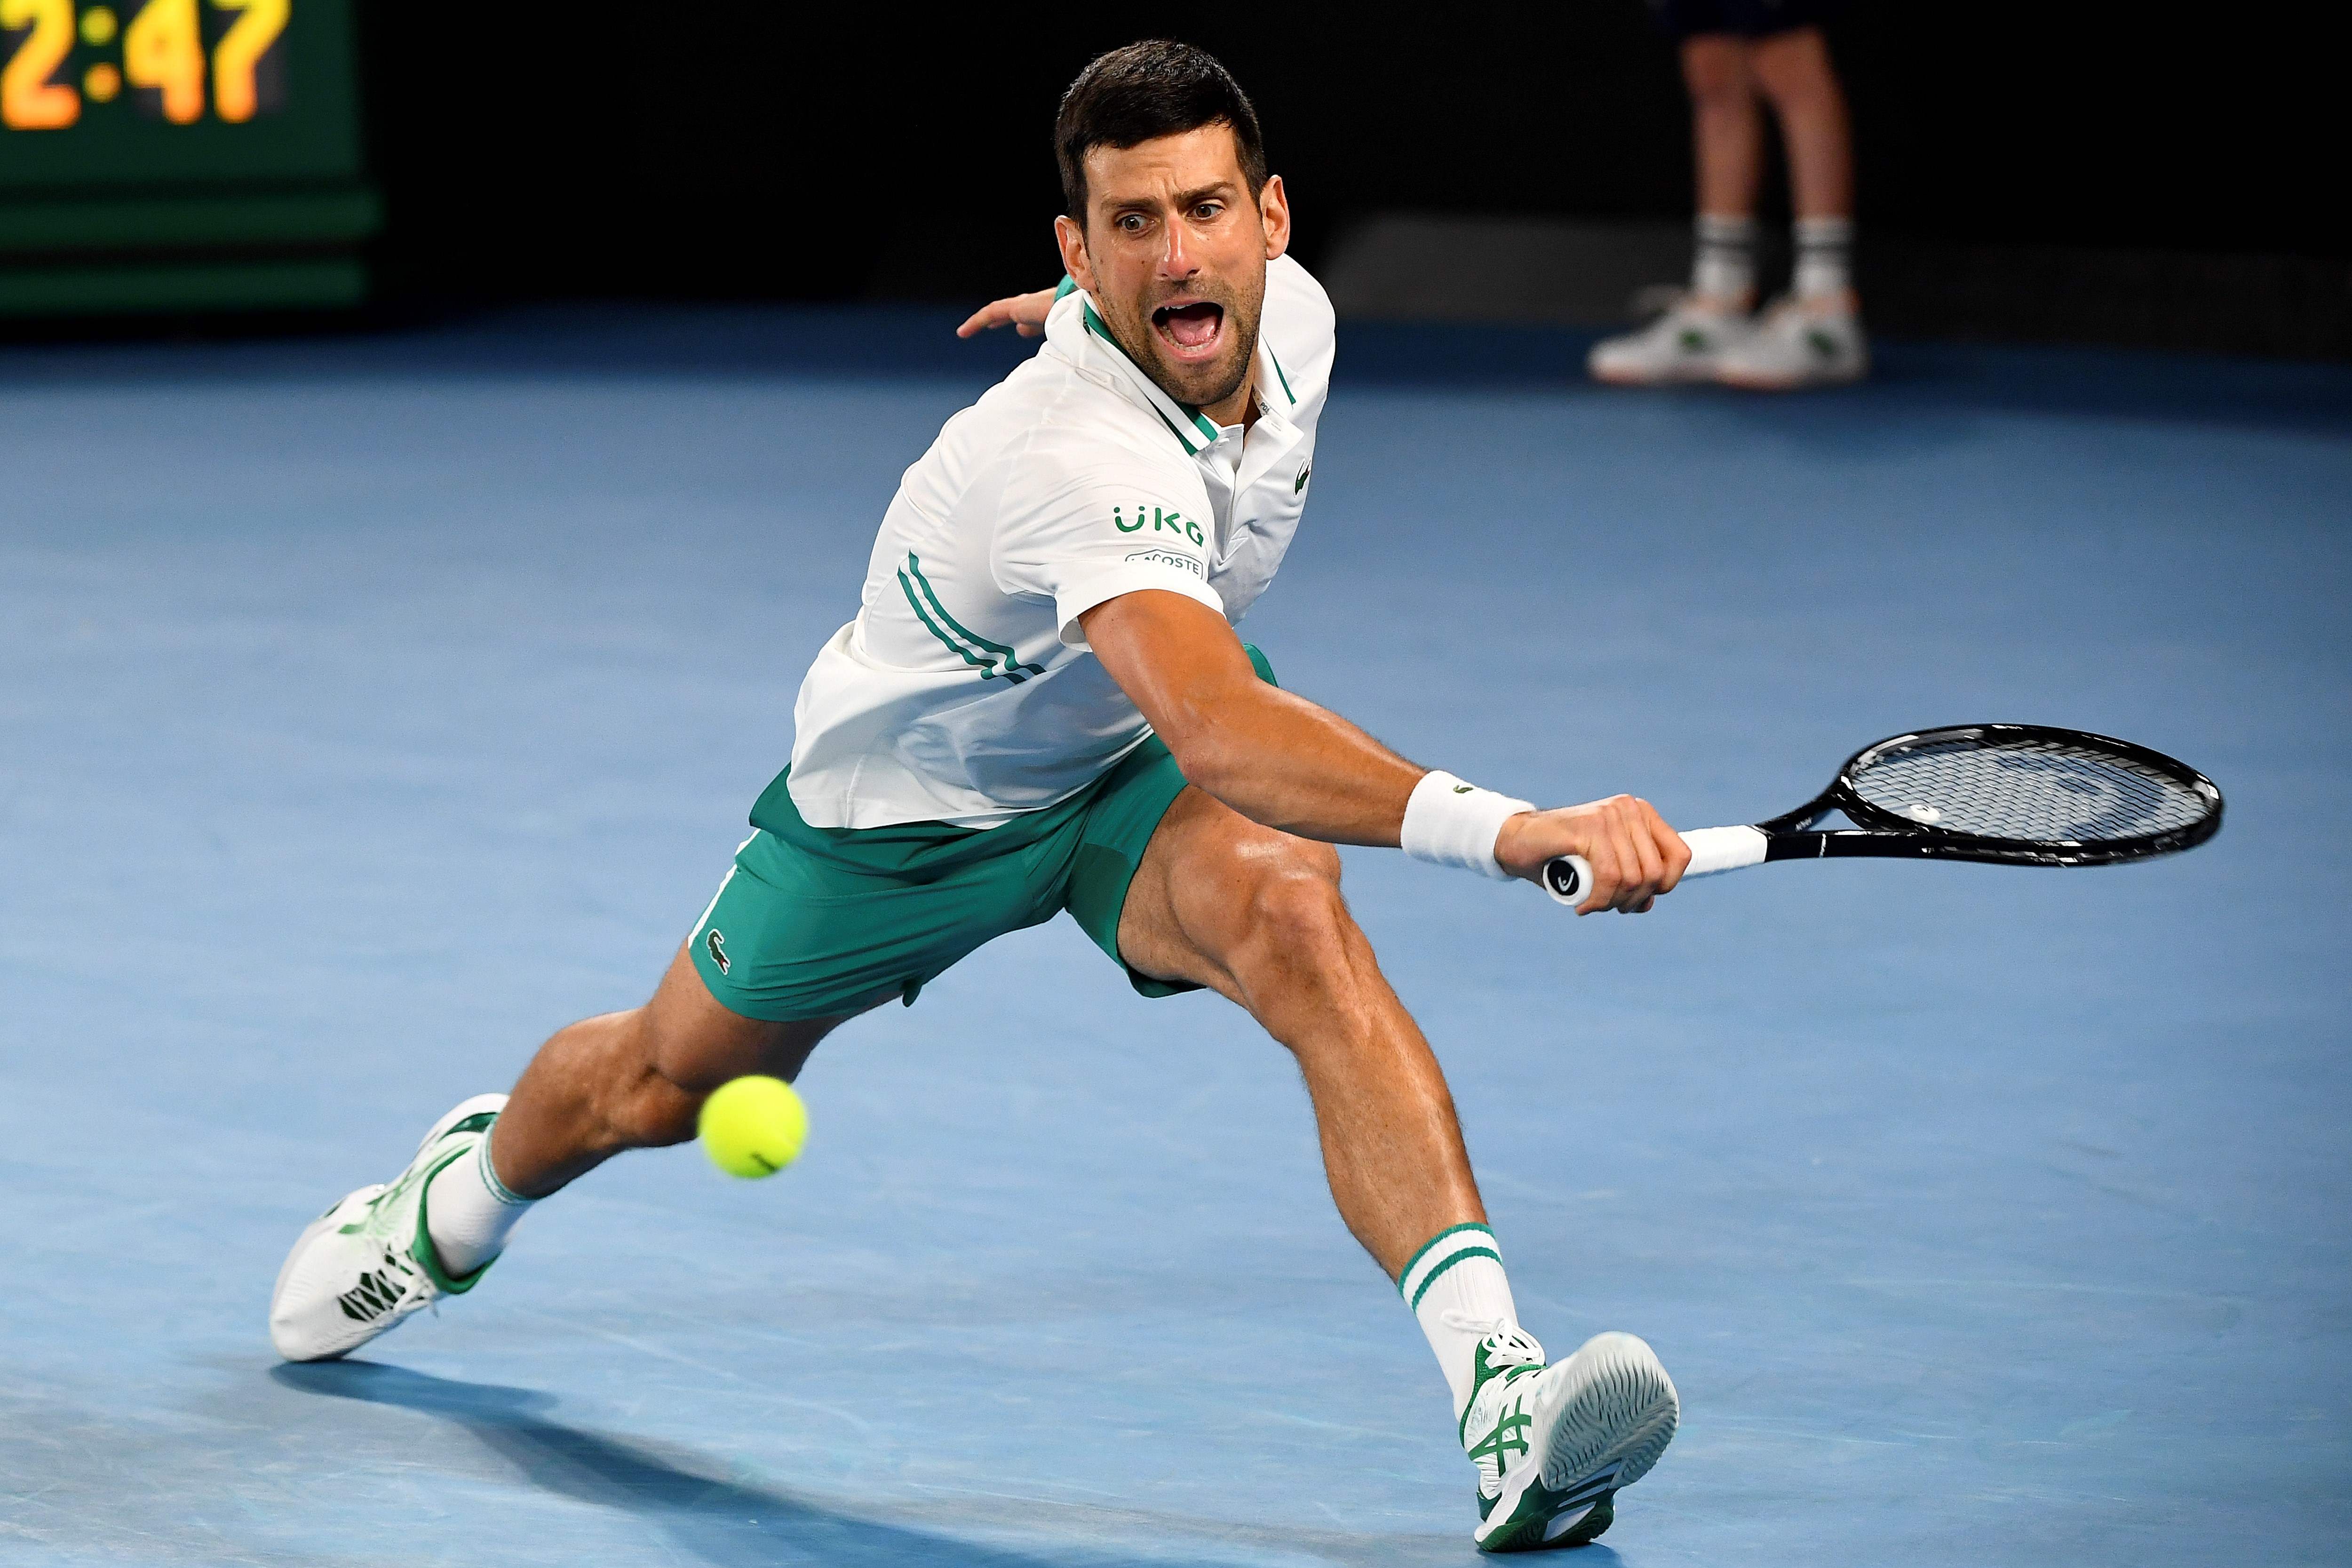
(489,1170)
(1466,1253)
(1406,1272)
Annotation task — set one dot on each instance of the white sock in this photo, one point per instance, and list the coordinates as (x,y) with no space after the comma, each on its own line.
(1824,257)
(1458,1275)
(469,1210)
(1723,261)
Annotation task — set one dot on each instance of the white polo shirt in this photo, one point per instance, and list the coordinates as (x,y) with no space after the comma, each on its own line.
(964,692)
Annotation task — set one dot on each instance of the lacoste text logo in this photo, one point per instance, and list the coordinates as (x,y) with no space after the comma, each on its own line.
(1169,558)
(718,946)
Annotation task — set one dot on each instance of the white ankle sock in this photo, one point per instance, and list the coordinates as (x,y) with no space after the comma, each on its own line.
(1722,260)
(1458,1273)
(1824,257)
(469,1210)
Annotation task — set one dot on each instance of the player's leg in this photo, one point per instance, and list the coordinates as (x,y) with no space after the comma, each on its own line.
(1256,914)
(1727,150)
(622,1081)
(1815,338)
(806,930)
(792,943)
(636,1080)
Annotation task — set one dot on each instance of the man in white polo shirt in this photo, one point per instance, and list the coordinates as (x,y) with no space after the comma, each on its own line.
(1041,705)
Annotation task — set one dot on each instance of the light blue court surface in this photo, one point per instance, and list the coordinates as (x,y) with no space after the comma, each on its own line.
(368,709)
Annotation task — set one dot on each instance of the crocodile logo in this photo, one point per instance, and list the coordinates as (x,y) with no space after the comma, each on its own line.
(717,944)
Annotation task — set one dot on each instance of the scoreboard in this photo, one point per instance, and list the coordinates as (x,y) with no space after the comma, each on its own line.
(180,155)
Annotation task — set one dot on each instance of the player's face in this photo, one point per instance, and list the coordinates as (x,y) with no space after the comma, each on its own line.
(1174,252)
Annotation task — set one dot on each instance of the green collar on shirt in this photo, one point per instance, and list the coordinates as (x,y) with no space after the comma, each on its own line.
(1157,394)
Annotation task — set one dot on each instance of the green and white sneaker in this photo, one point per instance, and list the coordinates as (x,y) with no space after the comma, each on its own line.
(1797,344)
(367,1262)
(1685,344)
(1554,1444)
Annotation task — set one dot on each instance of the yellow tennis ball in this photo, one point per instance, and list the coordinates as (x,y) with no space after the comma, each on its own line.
(753,1126)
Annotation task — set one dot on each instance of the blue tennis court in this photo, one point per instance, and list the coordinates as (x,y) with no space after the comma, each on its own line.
(371,707)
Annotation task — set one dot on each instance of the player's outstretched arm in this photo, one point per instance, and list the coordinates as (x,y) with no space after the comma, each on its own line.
(1025,313)
(1280,759)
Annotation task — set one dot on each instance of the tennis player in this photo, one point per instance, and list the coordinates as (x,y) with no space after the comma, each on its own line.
(1041,705)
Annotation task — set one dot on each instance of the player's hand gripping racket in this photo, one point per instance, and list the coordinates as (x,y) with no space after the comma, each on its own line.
(2014,794)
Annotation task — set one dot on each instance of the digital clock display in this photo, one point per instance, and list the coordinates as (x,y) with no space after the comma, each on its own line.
(179,154)
(175,58)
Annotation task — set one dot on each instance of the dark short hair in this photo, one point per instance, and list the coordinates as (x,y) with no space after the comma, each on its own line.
(1150,90)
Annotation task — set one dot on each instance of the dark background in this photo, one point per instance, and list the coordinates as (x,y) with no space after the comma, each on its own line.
(740,151)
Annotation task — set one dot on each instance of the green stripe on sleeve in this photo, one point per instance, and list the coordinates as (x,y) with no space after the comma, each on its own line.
(1005,655)
(961,652)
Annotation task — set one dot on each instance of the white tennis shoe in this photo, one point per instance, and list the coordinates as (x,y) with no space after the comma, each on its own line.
(367,1262)
(1798,344)
(1554,1444)
(1686,344)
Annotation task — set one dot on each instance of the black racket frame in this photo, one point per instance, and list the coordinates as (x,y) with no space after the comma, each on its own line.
(1880,834)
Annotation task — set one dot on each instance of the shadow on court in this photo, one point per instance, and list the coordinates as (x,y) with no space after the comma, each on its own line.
(719,1520)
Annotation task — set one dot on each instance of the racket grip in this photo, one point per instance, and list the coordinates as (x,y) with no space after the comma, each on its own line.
(1569,877)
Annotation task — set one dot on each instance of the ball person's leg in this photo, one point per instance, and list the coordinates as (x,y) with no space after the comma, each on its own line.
(1256,915)
(1726,124)
(1794,71)
(634,1080)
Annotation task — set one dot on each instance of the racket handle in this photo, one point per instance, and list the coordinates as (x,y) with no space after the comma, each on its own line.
(1568,879)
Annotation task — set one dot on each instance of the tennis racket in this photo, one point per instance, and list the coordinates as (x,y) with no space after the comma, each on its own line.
(2012,795)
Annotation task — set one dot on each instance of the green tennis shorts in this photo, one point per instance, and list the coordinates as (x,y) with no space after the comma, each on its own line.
(821,923)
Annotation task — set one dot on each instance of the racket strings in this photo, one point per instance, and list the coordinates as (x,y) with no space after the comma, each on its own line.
(2020,789)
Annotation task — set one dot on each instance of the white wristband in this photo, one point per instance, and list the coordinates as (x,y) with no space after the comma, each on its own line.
(1449,823)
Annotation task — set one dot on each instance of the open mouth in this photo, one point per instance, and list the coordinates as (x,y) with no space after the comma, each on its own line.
(1193,330)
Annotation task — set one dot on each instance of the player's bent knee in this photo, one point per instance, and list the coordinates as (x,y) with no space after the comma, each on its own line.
(649,1099)
(659,1113)
(1294,911)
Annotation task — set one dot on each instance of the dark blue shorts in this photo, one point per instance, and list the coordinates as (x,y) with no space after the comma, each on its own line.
(1747,18)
